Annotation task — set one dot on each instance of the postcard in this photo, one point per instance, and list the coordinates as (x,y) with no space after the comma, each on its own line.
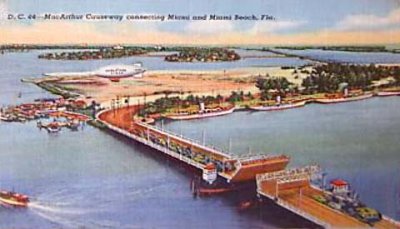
(199,114)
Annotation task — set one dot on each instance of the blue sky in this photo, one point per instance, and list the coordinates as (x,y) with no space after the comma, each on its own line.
(293,16)
(318,14)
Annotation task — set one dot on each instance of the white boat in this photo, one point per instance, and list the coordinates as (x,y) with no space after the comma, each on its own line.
(5,118)
(279,106)
(388,93)
(2,118)
(207,113)
(344,99)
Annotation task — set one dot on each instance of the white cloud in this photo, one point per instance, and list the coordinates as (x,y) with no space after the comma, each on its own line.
(209,27)
(263,27)
(369,21)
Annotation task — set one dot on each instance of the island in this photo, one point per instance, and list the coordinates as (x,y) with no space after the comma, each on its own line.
(94,52)
(192,54)
(101,53)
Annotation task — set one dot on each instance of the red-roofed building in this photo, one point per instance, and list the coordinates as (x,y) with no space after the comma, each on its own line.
(210,173)
(339,186)
(78,104)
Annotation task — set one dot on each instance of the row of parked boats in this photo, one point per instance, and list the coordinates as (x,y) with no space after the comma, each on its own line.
(21,117)
(41,110)
(206,113)
(56,126)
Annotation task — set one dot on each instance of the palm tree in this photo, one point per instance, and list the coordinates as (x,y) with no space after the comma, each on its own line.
(396,75)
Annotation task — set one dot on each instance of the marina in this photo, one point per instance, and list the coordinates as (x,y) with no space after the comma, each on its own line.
(45,109)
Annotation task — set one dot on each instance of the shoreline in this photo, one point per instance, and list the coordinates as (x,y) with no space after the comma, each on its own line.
(156,83)
(61,86)
(298,105)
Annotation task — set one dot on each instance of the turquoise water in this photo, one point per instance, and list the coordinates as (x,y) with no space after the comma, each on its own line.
(357,141)
(347,57)
(95,179)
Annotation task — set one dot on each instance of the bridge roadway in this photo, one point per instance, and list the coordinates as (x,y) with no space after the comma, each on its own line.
(290,198)
(232,169)
(122,118)
(299,199)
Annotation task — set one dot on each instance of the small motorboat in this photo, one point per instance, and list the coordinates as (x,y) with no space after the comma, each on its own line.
(245,205)
(53,127)
(73,125)
(13,199)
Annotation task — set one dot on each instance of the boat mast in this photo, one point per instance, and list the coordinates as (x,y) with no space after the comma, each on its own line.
(204,137)
(229,145)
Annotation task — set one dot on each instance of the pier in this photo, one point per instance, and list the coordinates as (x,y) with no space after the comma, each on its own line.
(292,189)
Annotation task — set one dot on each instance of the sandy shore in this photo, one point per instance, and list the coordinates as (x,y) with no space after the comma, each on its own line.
(388,65)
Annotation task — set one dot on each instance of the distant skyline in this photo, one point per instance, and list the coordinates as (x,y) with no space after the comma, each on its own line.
(298,22)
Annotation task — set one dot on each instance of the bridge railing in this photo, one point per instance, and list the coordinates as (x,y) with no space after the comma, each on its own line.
(291,208)
(194,142)
(213,149)
(392,221)
(155,146)
(306,170)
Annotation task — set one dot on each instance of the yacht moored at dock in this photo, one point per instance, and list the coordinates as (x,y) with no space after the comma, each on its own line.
(278,107)
(203,113)
(388,93)
(344,99)
(53,127)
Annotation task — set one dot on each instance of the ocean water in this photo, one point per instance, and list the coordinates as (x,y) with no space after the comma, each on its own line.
(356,141)
(95,179)
(347,57)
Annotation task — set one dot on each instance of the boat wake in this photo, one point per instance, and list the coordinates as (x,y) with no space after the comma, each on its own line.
(64,217)
(69,210)
(58,213)
(55,208)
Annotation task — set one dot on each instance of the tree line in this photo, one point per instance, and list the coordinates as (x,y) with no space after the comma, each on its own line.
(329,78)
